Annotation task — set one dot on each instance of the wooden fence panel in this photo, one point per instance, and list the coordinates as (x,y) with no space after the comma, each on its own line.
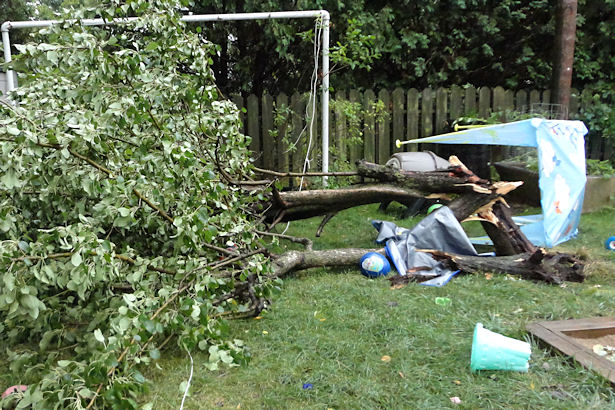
(521,100)
(456,103)
(237,99)
(316,149)
(253,128)
(369,135)
(355,149)
(408,114)
(267,126)
(469,101)
(499,99)
(441,110)
(340,126)
(427,112)
(384,128)
(298,135)
(398,116)
(534,99)
(412,130)
(281,144)
(484,102)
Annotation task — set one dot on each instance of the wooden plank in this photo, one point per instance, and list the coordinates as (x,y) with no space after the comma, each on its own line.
(369,134)
(546,97)
(298,135)
(383,128)
(456,101)
(356,148)
(509,100)
(534,99)
(427,112)
(398,116)
(254,129)
(561,335)
(469,101)
(499,100)
(340,127)
(267,123)
(412,109)
(237,99)
(484,102)
(441,110)
(521,101)
(283,124)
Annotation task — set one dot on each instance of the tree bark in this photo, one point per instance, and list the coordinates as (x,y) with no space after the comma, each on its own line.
(565,29)
(550,267)
(539,265)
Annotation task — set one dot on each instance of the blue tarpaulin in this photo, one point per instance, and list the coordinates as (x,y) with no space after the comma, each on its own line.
(561,160)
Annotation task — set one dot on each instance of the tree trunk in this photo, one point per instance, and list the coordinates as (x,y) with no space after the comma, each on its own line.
(565,29)
(552,268)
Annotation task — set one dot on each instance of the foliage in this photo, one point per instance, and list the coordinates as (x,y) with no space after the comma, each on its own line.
(387,44)
(601,168)
(117,201)
(15,10)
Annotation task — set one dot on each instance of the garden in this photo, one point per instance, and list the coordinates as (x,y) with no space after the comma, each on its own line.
(149,261)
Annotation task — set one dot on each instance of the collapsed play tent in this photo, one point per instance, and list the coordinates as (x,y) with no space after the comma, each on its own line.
(561,160)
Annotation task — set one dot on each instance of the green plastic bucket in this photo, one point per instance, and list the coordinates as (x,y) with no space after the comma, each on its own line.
(493,351)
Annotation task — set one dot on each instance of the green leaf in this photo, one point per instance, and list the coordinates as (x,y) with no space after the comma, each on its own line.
(99,336)
(31,304)
(76,259)
(152,46)
(154,354)
(13,130)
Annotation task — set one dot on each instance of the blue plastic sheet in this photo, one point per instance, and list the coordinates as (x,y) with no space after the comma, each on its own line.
(561,160)
(439,230)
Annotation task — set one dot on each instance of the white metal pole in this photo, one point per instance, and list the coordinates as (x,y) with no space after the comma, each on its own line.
(325,94)
(6,42)
(7,25)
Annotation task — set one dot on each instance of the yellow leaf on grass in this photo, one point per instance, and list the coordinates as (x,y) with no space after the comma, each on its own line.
(386,358)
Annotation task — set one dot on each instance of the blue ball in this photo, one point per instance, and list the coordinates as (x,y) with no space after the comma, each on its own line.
(610,243)
(373,265)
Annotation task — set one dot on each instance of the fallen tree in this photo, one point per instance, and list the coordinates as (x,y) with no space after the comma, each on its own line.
(130,216)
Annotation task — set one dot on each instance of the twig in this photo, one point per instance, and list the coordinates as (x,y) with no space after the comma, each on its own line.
(304,241)
(305,174)
(326,219)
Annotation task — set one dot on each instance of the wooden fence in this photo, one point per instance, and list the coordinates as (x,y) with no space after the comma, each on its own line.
(275,124)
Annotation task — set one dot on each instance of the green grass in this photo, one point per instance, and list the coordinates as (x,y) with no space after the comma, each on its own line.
(331,328)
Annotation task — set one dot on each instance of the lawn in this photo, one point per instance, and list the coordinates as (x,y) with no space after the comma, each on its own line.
(334,339)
